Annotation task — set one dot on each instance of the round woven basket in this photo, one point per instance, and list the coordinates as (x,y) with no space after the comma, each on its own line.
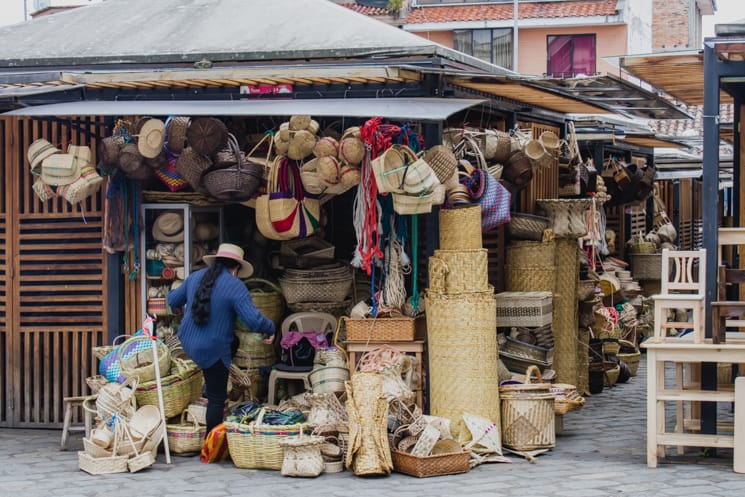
(612,371)
(181,387)
(463,367)
(530,253)
(530,278)
(236,183)
(207,135)
(192,165)
(518,170)
(252,352)
(524,226)
(460,228)
(497,145)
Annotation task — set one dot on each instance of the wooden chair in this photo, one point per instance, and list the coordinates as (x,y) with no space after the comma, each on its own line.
(302,322)
(683,286)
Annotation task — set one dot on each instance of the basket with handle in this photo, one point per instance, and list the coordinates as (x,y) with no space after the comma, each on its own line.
(256,445)
(185,437)
(136,358)
(567,398)
(239,181)
(182,386)
(528,414)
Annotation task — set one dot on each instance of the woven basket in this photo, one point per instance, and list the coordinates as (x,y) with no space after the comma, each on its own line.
(567,398)
(612,372)
(530,278)
(336,309)
(136,361)
(316,285)
(426,466)
(629,354)
(179,389)
(459,271)
(527,226)
(567,216)
(185,437)
(528,414)
(393,329)
(207,135)
(646,266)
(460,228)
(328,379)
(96,382)
(531,253)
(192,166)
(268,299)
(102,465)
(256,446)
(236,183)
(252,352)
(530,309)
(442,161)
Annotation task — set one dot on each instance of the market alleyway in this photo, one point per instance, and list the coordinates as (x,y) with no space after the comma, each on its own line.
(600,453)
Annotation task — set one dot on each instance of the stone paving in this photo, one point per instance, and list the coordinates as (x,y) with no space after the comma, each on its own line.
(601,453)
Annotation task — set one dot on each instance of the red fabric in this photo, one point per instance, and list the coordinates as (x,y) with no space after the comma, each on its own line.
(215,448)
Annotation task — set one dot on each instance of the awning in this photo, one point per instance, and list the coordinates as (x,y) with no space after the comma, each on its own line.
(614,94)
(35,89)
(678,74)
(652,141)
(419,109)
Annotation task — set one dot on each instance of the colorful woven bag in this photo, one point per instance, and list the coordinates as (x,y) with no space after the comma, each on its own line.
(495,204)
(170,176)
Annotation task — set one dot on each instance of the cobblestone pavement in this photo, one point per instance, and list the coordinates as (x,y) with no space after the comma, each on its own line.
(601,452)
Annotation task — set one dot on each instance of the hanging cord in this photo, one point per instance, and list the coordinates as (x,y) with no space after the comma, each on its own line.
(135,226)
(394,290)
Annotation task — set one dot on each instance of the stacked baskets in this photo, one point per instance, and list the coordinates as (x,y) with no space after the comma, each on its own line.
(320,287)
(461,319)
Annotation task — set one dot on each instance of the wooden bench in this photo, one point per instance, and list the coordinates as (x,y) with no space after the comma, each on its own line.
(661,351)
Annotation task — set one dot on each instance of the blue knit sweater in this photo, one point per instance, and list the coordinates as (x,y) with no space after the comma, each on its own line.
(206,344)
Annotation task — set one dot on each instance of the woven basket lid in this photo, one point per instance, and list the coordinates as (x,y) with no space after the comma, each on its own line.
(150,138)
(207,135)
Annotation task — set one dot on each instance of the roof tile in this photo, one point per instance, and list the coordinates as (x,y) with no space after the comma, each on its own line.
(366,9)
(503,12)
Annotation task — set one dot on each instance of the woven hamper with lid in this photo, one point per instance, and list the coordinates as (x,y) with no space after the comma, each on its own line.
(528,414)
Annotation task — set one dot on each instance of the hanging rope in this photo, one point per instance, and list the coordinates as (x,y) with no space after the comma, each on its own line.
(394,290)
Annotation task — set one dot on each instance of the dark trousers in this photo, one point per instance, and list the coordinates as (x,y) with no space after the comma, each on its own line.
(216,391)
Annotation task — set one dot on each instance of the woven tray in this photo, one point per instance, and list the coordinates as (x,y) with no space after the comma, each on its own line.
(401,329)
(423,467)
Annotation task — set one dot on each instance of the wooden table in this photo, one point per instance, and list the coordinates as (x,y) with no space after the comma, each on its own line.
(661,351)
(416,348)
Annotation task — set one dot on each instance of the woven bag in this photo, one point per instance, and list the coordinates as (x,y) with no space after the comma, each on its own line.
(43,191)
(388,169)
(170,177)
(207,135)
(418,178)
(495,204)
(230,155)
(186,437)
(302,455)
(60,169)
(191,166)
(368,450)
(136,358)
(86,185)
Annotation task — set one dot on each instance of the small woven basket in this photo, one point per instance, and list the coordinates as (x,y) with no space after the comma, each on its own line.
(398,329)
(442,161)
(185,437)
(179,389)
(460,228)
(567,398)
(102,465)
(426,466)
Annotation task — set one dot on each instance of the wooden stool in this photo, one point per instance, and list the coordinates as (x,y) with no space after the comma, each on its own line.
(416,348)
(69,403)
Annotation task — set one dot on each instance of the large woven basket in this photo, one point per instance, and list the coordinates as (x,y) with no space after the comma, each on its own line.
(528,414)
(459,271)
(136,358)
(252,352)
(316,285)
(460,228)
(101,465)
(567,216)
(426,466)
(524,226)
(530,278)
(182,386)
(531,253)
(256,446)
(236,183)
(567,398)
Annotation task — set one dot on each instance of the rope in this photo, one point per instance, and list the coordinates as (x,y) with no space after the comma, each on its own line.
(394,290)
(415,263)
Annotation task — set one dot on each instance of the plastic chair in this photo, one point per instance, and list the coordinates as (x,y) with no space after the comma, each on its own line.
(303,322)
(683,287)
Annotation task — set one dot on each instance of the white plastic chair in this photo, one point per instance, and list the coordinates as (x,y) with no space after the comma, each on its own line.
(302,322)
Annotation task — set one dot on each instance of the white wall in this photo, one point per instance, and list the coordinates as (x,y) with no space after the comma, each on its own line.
(638,16)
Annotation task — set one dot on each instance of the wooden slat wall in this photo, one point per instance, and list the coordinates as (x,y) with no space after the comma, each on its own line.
(6,374)
(545,182)
(494,243)
(56,299)
(614,222)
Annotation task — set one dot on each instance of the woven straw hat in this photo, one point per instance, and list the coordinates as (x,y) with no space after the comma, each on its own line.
(151,138)
(205,231)
(169,227)
(234,252)
(176,130)
(129,158)
(301,145)
(298,123)
(38,151)
(207,135)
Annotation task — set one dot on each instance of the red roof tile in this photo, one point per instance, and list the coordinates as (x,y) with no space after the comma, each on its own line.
(503,12)
(365,9)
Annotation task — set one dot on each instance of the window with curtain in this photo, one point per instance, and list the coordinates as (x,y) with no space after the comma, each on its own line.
(570,55)
(490,45)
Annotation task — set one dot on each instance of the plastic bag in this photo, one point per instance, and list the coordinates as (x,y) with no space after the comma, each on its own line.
(215,448)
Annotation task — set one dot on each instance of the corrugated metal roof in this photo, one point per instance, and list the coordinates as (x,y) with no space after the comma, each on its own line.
(421,109)
(187,31)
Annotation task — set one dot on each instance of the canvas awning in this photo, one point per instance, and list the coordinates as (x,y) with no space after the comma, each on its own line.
(420,109)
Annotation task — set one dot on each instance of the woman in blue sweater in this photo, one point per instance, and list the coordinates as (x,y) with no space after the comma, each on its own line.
(214,297)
